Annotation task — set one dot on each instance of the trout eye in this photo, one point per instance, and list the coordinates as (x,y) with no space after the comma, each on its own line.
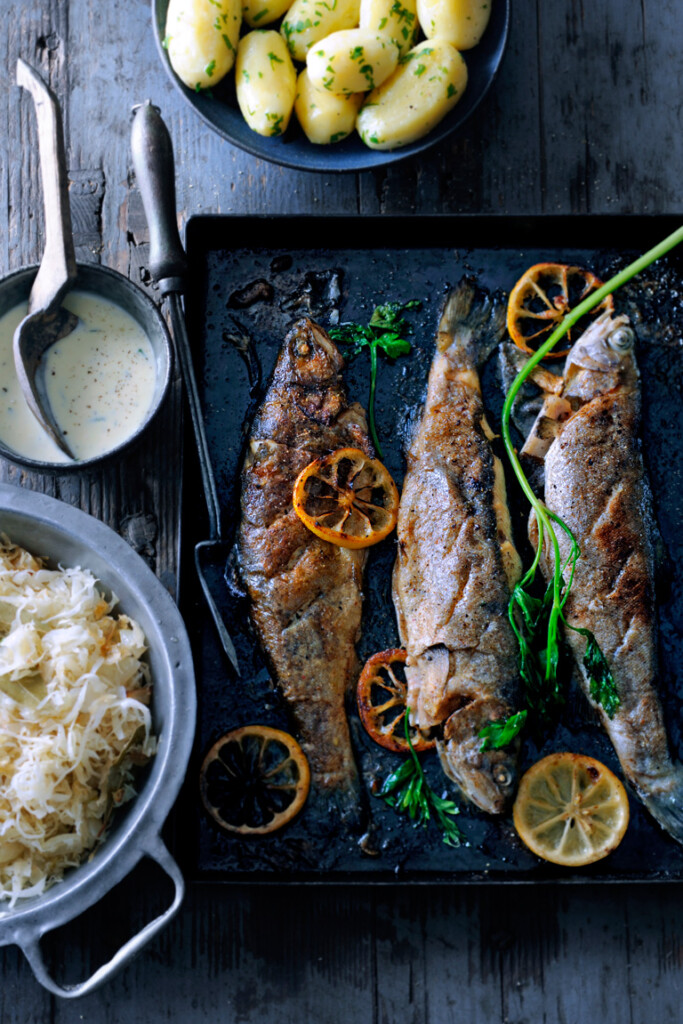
(502,775)
(302,347)
(622,339)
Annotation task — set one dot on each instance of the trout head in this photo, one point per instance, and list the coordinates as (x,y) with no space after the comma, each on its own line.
(602,360)
(486,777)
(309,357)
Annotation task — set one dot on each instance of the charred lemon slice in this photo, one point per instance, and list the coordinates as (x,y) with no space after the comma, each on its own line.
(347,498)
(571,809)
(254,780)
(541,299)
(381,696)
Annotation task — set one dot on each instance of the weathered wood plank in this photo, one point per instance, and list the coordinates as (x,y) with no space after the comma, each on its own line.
(583,117)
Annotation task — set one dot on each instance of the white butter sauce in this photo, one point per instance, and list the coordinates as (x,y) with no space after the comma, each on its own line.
(99,380)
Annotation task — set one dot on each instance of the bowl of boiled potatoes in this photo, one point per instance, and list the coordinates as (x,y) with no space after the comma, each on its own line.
(332,85)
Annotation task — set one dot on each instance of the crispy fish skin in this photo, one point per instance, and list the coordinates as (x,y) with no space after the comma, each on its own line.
(595,481)
(456,561)
(306,593)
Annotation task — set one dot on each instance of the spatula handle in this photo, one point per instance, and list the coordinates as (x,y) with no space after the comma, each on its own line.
(154,169)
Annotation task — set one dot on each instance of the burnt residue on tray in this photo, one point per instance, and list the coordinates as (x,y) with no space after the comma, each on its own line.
(255,291)
(237,346)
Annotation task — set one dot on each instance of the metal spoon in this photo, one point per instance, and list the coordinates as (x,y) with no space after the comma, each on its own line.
(47,321)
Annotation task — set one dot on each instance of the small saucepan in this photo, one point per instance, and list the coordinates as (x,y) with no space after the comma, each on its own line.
(107,284)
(108,377)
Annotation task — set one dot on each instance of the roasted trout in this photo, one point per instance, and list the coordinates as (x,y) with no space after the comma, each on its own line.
(595,481)
(456,561)
(305,593)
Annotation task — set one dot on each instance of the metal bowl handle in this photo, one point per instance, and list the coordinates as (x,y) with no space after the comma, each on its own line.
(31,945)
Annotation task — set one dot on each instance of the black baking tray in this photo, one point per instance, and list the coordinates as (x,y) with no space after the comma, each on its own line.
(251,277)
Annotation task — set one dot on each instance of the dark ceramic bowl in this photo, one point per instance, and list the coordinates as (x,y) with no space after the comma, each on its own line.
(221,113)
(111,285)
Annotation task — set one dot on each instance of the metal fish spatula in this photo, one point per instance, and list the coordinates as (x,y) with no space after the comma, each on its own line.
(47,321)
(154,170)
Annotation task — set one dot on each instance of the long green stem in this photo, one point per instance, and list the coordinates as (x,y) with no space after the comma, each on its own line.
(371,403)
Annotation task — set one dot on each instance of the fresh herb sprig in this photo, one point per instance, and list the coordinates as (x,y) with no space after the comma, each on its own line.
(384,333)
(408,792)
(536,622)
(499,734)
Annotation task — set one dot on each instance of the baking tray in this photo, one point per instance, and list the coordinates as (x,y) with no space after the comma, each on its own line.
(250,279)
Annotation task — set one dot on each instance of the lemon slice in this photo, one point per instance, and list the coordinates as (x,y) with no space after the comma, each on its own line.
(381,697)
(571,809)
(347,498)
(541,299)
(254,780)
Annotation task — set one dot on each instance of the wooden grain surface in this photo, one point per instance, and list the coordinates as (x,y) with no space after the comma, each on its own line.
(585,117)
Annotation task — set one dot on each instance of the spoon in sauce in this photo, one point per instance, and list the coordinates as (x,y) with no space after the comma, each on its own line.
(47,321)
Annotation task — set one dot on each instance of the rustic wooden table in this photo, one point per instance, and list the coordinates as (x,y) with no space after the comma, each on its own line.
(585,117)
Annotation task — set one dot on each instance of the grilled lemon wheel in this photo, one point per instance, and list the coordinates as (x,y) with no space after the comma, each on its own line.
(254,780)
(381,696)
(541,299)
(571,809)
(347,498)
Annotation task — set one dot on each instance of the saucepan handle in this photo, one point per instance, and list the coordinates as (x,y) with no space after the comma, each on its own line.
(33,953)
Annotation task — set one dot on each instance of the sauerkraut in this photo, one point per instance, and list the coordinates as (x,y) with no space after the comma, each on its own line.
(74,718)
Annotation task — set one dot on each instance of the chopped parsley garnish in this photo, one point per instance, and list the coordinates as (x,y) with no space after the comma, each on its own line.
(276,127)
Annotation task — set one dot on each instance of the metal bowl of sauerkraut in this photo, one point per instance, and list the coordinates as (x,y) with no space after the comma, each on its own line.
(97,716)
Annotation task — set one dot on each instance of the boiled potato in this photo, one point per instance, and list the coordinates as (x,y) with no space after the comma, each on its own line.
(258,13)
(307,21)
(265,80)
(323,116)
(353,60)
(201,39)
(396,18)
(461,22)
(428,82)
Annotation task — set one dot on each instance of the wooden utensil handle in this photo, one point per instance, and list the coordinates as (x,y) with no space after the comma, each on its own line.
(58,266)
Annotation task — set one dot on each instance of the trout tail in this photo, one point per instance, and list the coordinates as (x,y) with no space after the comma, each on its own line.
(473,322)
(665,802)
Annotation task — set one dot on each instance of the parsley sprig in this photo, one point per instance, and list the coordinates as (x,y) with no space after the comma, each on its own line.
(384,333)
(536,622)
(408,792)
